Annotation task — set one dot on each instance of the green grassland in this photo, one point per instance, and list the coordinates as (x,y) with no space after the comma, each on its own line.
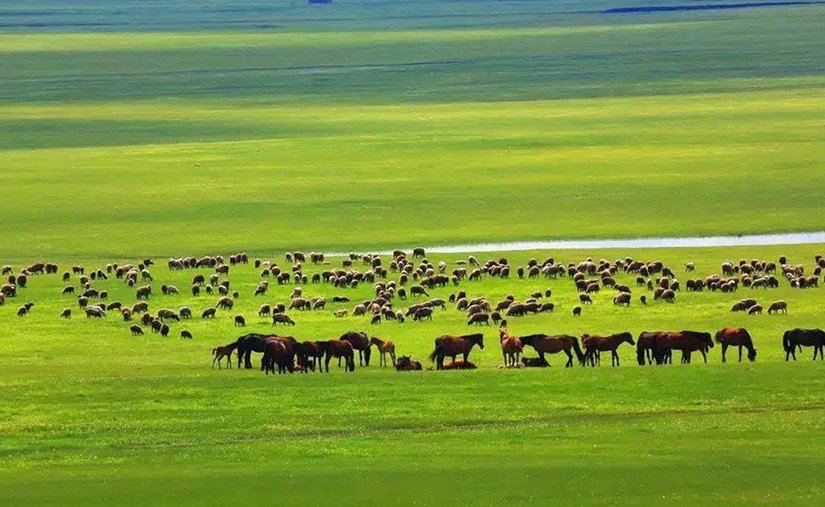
(92,414)
(166,128)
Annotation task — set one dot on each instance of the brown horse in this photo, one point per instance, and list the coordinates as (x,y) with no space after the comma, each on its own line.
(594,345)
(736,337)
(223,351)
(546,344)
(309,355)
(686,341)
(453,346)
(282,355)
(359,342)
(340,349)
(511,348)
(794,338)
(645,345)
(385,347)
(406,363)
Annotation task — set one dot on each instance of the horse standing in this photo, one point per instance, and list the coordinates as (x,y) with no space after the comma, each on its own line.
(511,348)
(223,351)
(546,344)
(453,346)
(798,337)
(686,341)
(341,349)
(593,345)
(736,337)
(361,343)
(385,347)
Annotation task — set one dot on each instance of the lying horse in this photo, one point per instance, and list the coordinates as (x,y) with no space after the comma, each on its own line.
(736,337)
(794,338)
(594,345)
(406,363)
(546,344)
(453,346)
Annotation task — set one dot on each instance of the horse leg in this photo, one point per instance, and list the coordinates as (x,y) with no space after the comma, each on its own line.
(740,353)
(392,356)
(705,356)
(724,349)
(327,360)
(504,357)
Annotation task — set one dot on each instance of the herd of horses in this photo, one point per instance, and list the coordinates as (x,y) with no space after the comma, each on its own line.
(285,354)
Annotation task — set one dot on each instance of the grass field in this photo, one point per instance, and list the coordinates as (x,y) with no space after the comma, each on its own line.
(170,128)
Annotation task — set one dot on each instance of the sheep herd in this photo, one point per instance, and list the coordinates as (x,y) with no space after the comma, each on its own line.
(402,289)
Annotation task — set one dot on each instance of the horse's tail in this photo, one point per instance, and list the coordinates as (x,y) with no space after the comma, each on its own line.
(786,342)
(718,336)
(578,350)
(435,353)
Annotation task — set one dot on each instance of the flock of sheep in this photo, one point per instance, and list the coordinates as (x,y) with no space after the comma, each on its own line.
(401,284)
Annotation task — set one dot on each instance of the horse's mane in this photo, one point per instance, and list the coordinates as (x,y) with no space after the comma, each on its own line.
(474,337)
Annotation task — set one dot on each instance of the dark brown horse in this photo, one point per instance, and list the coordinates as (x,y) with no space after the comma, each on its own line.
(453,346)
(361,343)
(511,348)
(406,363)
(645,345)
(594,345)
(686,341)
(736,337)
(341,349)
(282,355)
(309,355)
(546,344)
(794,338)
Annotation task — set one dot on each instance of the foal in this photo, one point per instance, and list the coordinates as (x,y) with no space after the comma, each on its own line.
(384,347)
(223,351)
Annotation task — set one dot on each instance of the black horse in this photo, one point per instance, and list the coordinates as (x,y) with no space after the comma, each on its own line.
(794,338)
(247,344)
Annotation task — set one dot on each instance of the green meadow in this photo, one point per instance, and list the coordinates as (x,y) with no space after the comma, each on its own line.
(174,128)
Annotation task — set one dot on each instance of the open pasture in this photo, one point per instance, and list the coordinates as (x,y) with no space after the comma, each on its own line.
(117,402)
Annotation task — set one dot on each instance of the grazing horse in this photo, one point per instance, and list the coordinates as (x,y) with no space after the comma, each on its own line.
(340,349)
(511,348)
(406,363)
(735,337)
(453,346)
(686,341)
(546,344)
(223,351)
(247,344)
(645,345)
(794,338)
(361,343)
(282,355)
(593,345)
(309,355)
(385,347)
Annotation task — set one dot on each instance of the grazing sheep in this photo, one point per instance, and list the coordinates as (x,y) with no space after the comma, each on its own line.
(136,330)
(755,310)
(185,312)
(376,319)
(186,334)
(622,298)
(143,292)
(340,313)
(778,306)
(94,311)
(140,307)
(67,290)
(585,299)
(126,314)
(24,310)
(479,318)
(423,314)
(577,311)
(208,313)
(240,321)
(164,330)
(66,313)
(282,318)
